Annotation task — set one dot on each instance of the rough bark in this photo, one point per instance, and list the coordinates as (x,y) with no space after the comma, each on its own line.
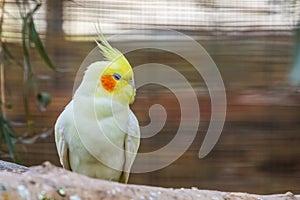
(12,167)
(48,182)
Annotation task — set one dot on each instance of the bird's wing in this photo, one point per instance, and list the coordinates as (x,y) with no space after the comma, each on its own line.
(131,144)
(61,144)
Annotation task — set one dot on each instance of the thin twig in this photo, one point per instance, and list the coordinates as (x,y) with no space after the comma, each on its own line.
(28,74)
(2,85)
(1,19)
(2,81)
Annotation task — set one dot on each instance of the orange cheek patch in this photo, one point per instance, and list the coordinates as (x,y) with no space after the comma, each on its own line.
(108,83)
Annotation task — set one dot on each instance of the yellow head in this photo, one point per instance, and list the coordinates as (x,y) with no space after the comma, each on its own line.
(117,77)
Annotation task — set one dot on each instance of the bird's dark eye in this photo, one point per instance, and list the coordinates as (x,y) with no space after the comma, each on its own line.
(117,76)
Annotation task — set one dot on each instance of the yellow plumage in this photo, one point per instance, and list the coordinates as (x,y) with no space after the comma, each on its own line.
(97,134)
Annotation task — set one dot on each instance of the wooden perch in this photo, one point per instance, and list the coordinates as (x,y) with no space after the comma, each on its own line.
(48,182)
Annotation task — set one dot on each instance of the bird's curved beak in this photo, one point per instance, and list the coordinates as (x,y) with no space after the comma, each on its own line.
(131,83)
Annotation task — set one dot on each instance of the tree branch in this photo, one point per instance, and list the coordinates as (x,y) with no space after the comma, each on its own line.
(51,182)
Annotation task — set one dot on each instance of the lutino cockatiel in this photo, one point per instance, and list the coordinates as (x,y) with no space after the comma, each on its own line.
(97,134)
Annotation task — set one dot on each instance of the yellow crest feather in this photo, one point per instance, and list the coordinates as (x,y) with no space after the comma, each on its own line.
(109,53)
(120,63)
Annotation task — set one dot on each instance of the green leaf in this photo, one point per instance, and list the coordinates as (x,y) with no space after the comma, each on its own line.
(1,139)
(43,100)
(35,38)
(6,131)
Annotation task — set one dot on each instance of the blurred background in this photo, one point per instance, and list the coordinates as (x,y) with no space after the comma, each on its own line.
(255,45)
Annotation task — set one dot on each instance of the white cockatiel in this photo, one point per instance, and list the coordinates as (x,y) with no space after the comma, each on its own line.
(97,134)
